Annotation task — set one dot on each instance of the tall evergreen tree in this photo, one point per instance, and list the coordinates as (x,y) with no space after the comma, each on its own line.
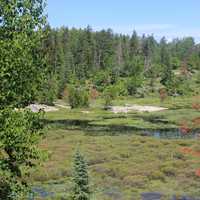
(167,73)
(134,45)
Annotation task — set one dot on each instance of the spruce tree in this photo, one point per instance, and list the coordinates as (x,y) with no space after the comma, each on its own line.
(81,189)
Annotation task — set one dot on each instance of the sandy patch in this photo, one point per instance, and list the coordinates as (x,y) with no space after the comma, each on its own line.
(62,106)
(139,108)
(85,112)
(38,107)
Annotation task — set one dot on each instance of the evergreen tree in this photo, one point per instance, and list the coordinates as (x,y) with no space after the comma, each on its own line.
(81,189)
(134,45)
(167,73)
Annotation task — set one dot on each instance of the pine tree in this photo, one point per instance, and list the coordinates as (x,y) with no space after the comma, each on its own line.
(167,74)
(134,45)
(81,189)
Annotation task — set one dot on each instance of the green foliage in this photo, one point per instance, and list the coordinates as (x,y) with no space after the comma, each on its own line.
(101,80)
(175,62)
(110,93)
(81,190)
(78,97)
(22,68)
(105,58)
(21,60)
(133,83)
(121,88)
(20,133)
(47,92)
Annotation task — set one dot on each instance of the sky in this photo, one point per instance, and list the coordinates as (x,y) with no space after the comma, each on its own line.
(169,18)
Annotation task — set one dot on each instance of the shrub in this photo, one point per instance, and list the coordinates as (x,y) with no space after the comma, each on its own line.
(20,132)
(179,156)
(168,169)
(94,93)
(162,94)
(110,93)
(10,189)
(78,97)
(157,175)
(121,88)
(133,84)
(135,181)
(102,80)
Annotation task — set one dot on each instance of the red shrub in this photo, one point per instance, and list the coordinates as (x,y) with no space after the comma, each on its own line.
(184,128)
(196,106)
(197,172)
(163,94)
(93,93)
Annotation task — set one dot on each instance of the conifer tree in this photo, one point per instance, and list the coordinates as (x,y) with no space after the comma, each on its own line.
(81,189)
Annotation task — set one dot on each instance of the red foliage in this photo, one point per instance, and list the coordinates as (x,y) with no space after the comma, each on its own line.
(196,121)
(196,106)
(163,94)
(184,70)
(197,172)
(187,150)
(93,93)
(184,128)
(65,93)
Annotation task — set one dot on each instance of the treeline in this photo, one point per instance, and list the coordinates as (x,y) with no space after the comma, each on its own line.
(105,58)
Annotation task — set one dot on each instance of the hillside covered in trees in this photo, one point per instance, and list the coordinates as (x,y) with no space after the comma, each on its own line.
(135,65)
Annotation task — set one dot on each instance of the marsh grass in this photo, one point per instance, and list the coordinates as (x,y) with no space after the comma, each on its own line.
(122,164)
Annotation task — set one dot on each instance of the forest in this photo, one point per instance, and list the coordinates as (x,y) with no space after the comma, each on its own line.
(129,64)
(95,115)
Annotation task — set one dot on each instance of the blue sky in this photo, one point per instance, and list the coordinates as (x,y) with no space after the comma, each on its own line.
(172,18)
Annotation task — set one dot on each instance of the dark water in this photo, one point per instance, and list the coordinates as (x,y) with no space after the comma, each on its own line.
(43,194)
(158,196)
(40,192)
(170,134)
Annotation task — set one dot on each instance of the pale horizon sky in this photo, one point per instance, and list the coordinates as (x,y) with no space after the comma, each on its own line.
(169,18)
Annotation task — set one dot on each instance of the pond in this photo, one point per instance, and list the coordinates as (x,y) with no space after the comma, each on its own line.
(43,194)
(171,134)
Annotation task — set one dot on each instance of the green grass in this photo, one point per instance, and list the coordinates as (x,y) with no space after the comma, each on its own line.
(122,165)
(128,164)
(180,109)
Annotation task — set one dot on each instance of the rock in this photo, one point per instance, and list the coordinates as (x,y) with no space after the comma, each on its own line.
(37,107)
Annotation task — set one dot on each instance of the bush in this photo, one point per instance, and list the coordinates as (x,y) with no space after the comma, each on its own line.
(78,97)
(110,93)
(20,133)
(138,181)
(9,188)
(101,80)
(133,84)
(157,175)
(121,88)
(168,170)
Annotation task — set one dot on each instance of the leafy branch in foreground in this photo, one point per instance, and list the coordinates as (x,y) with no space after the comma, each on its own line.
(20,132)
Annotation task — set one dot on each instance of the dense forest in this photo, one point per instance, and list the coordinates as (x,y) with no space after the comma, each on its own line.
(131,63)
